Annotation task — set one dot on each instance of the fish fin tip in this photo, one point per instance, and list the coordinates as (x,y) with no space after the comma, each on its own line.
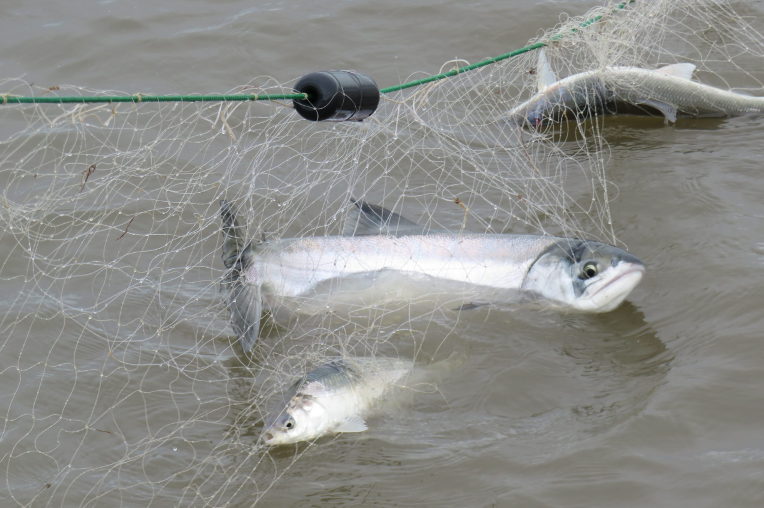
(352,424)
(249,339)
(234,249)
(245,307)
(667,110)
(678,70)
(227,215)
(544,73)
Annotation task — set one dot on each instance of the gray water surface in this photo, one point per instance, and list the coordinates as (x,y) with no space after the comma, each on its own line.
(659,403)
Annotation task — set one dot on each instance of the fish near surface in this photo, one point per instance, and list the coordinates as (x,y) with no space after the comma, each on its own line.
(334,397)
(669,90)
(578,274)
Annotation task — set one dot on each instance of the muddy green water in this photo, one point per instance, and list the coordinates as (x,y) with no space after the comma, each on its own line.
(659,403)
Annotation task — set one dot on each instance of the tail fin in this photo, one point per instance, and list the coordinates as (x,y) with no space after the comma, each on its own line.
(243,295)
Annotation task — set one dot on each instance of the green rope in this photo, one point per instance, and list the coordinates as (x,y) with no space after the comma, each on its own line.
(460,70)
(499,58)
(11,99)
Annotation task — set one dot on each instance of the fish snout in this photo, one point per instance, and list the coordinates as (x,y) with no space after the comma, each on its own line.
(623,281)
(629,259)
(633,272)
(529,119)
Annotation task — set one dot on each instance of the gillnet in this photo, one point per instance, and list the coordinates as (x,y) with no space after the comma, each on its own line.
(121,381)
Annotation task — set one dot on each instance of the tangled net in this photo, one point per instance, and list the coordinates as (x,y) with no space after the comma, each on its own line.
(120,377)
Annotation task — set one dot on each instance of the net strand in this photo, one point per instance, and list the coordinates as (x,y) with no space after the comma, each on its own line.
(122,382)
(138,98)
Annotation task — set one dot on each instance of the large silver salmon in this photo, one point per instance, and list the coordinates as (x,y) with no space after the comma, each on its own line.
(669,90)
(580,274)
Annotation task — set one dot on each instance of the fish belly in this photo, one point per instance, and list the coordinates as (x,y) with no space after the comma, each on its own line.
(295,267)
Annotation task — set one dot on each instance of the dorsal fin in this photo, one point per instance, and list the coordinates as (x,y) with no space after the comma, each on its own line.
(679,70)
(545,76)
(367,219)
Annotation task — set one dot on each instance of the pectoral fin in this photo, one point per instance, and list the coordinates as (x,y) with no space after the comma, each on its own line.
(667,110)
(352,424)
(678,70)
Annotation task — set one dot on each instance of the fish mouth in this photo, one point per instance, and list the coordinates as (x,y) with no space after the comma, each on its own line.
(268,439)
(634,271)
(640,269)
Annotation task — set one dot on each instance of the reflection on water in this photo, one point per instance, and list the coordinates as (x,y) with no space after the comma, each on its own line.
(534,381)
(635,132)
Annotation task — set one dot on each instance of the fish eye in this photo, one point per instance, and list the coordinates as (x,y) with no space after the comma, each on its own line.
(589,270)
(289,425)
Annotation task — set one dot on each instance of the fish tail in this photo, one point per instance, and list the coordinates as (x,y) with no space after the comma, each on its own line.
(244,301)
(233,236)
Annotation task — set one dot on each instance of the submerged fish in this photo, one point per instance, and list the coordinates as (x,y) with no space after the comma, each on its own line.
(669,90)
(580,274)
(334,397)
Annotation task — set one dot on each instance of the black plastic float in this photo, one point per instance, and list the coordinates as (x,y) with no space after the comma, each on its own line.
(336,96)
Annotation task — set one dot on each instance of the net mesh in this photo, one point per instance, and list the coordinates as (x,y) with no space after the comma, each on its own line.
(121,384)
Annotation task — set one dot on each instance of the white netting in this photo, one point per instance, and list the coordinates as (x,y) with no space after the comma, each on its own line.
(120,383)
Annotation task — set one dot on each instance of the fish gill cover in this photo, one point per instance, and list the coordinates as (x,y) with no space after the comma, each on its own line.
(117,314)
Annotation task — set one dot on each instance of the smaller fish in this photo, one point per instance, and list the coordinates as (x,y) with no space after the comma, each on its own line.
(611,90)
(334,397)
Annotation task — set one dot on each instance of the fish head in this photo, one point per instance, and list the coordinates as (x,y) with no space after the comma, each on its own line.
(563,101)
(586,275)
(537,112)
(302,420)
(534,118)
(552,104)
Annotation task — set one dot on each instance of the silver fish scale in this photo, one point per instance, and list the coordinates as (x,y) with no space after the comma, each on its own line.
(339,374)
(637,85)
(290,267)
(334,374)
